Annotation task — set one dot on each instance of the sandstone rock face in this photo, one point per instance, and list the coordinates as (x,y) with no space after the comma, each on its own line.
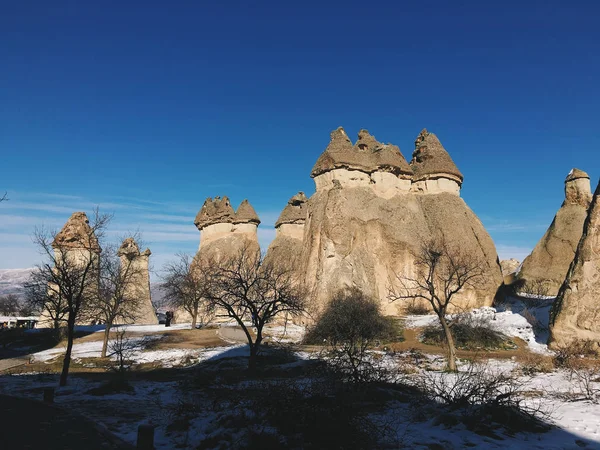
(366,221)
(509,269)
(550,259)
(223,231)
(575,314)
(287,245)
(136,263)
(77,243)
(76,234)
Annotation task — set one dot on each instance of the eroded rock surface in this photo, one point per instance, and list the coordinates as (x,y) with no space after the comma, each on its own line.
(368,219)
(135,263)
(575,314)
(549,261)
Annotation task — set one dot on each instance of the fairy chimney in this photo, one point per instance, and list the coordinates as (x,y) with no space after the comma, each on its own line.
(575,314)
(434,170)
(548,263)
(134,264)
(366,163)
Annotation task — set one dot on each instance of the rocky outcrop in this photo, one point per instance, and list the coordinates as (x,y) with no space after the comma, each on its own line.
(77,244)
(224,231)
(366,220)
(76,234)
(575,314)
(135,265)
(509,269)
(433,168)
(289,228)
(549,261)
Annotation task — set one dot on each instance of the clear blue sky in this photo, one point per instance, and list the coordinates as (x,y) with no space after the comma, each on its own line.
(146,108)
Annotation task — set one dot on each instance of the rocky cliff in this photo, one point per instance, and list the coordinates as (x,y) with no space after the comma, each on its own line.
(575,314)
(372,211)
(549,261)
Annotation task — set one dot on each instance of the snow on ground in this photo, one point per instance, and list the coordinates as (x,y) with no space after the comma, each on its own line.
(285,333)
(156,402)
(512,325)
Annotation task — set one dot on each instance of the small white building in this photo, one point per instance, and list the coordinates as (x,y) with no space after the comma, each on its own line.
(27,322)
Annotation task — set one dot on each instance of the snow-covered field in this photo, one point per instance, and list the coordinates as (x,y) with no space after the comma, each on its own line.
(577,423)
(576,420)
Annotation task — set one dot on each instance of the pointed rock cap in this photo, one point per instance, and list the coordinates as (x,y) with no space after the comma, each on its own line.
(295,210)
(431,160)
(575,174)
(129,248)
(366,142)
(214,211)
(246,214)
(77,233)
(367,155)
(578,193)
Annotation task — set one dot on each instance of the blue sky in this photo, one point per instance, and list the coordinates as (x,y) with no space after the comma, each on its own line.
(147,108)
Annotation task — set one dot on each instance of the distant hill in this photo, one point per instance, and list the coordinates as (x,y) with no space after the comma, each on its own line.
(12,281)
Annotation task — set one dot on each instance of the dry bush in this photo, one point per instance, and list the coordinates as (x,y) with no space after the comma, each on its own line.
(470,333)
(585,380)
(532,363)
(567,355)
(350,327)
(417,308)
(484,397)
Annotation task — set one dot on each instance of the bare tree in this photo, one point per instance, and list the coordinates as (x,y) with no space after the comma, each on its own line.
(245,286)
(9,305)
(442,271)
(117,299)
(66,283)
(184,285)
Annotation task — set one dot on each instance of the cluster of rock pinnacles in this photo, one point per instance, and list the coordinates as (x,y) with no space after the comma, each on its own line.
(371,211)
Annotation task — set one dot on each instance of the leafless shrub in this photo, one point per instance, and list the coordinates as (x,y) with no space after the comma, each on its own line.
(417,308)
(585,378)
(470,332)
(532,363)
(349,328)
(484,396)
(123,348)
(568,355)
(538,288)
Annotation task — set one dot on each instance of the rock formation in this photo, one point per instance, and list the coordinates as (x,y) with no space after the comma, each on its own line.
(77,243)
(287,245)
(372,210)
(575,314)
(135,265)
(509,269)
(224,231)
(550,259)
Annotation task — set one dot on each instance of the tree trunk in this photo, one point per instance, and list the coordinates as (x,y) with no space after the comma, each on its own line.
(67,361)
(450,342)
(194,317)
(105,342)
(254,350)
